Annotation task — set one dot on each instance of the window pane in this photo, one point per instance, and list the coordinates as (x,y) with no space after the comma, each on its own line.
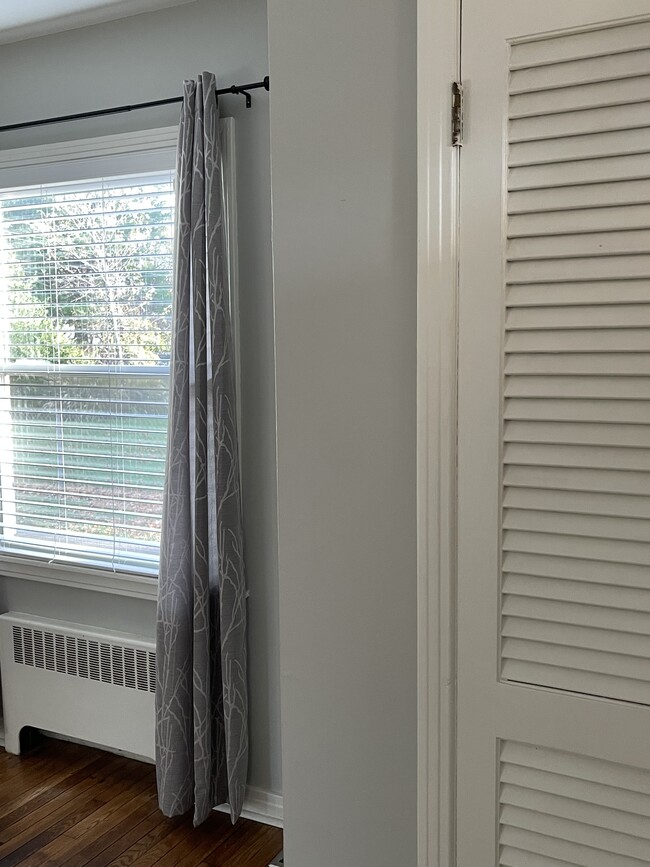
(85,327)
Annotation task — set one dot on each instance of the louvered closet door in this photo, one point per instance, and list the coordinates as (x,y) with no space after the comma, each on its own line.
(554,436)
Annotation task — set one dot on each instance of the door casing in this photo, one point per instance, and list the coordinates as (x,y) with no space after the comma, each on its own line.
(439,58)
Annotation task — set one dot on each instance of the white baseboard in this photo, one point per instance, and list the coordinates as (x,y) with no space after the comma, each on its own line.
(260,806)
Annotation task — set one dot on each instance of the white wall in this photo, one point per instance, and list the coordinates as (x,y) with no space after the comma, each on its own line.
(343,107)
(344,200)
(143,58)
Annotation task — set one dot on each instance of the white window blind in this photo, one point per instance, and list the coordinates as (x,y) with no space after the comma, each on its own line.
(85,327)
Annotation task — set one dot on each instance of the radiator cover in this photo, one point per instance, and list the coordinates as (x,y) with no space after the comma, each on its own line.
(92,685)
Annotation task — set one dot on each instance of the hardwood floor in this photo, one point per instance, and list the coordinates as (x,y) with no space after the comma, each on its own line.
(64,805)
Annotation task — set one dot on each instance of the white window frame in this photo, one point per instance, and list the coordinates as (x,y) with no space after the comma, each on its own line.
(105,156)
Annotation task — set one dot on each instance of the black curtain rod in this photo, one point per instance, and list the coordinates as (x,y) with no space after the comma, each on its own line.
(241,89)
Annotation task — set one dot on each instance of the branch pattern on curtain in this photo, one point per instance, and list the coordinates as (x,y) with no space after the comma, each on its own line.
(201,696)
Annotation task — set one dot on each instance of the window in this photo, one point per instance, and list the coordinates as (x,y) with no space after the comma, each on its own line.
(85,325)
(85,303)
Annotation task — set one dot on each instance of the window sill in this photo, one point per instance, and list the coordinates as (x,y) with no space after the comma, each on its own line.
(137,586)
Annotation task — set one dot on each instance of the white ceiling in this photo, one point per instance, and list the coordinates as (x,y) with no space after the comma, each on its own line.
(24,19)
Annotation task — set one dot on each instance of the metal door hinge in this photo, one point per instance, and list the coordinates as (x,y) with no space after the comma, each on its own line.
(457,114)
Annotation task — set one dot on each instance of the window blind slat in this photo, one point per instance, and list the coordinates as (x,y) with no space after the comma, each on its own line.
(114,485)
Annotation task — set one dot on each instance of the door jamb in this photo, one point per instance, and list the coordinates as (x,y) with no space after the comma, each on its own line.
(438,45)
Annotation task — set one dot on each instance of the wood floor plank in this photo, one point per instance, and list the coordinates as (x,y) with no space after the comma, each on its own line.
(161,832)
(126,791)
(66,805)
(123,796)
(38,773)
(172,838)
(8,761)
(31,770)
(111,829)
(34,769)
(20,850)
(238,838)
(90,787)
(137,826)
(256,849)
(46,792)
(201,841)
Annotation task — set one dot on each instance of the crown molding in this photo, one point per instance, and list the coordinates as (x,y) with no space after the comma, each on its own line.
(108,11)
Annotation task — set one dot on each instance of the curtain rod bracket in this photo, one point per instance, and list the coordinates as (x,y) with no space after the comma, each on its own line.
(239,91)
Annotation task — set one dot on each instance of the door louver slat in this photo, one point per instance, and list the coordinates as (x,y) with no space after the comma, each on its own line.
(568,433)
(613,194)
(561,808)
(575,46)
(572,148)
(584,95)
(567,73)
(576,432)
(616,574)
(588,364)
(587,122)
(578,172)
(573,636)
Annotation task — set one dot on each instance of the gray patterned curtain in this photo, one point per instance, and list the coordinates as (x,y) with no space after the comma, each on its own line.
(201,697)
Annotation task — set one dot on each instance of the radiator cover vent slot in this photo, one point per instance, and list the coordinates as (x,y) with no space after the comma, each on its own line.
(106,662)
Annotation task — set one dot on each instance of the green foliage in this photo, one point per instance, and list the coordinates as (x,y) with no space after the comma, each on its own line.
(90,276)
